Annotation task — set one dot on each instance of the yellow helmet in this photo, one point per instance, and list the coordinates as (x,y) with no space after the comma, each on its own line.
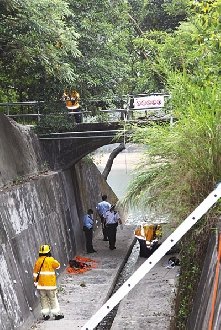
(44,249)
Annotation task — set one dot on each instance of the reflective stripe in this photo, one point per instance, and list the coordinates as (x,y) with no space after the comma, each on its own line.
(45,273)
(44,287)
(45,311)
(140,237)
(55,311)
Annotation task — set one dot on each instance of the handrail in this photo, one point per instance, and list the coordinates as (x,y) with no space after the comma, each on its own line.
(38,113)
(129,110)
(5,104)
(48,114)
(83,132)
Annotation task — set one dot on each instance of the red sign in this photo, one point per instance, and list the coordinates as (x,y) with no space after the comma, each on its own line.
(149,102)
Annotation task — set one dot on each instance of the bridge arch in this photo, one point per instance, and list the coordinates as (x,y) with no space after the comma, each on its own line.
(62,150)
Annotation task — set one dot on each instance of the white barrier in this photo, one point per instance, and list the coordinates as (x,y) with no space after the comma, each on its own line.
(154,258)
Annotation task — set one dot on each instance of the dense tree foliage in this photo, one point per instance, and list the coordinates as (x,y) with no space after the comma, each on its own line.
(47,46)
(189,63)
(153,21)
(105,65)
(158,14)
(91,46)
(37,41)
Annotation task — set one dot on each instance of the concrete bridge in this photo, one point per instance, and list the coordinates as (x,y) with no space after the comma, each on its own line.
(62,150)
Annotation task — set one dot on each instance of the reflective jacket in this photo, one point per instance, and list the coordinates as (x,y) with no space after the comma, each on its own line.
(149,232)
(145,232)
(47,278)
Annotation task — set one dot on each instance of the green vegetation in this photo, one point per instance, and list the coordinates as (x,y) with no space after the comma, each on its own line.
(37,42)
(55,124)
(47,46)
(182,165)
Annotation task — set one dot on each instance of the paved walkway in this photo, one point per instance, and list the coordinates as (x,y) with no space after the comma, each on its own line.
(150,304)
(81,295)
(147,306)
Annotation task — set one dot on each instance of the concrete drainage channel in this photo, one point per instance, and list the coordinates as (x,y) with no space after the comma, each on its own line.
(126,272)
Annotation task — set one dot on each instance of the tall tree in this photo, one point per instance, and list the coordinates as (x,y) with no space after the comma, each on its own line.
(152,21)
(105,33)
(161,15)
(37,40)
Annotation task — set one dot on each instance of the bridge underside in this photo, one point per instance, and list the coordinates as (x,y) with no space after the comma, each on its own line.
(62,150)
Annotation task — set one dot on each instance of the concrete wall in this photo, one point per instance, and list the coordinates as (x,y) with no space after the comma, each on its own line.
(41,208)
(200,315)
(20,153)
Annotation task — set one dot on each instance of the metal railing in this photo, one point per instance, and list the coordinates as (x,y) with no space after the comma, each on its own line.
(37,109)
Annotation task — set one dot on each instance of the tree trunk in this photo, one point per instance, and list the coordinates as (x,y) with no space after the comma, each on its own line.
(113,155)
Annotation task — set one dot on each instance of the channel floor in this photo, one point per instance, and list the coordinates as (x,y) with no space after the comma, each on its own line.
(149,305)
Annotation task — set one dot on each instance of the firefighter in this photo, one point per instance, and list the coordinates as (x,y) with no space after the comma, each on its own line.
(72,101)
(45,281)
(148,236)
(75,98)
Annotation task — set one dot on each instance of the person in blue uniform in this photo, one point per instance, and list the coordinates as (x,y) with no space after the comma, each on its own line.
(102,207)
(88,223)
(112,219)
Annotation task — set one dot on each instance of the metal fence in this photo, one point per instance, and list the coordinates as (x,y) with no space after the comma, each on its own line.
(31,112)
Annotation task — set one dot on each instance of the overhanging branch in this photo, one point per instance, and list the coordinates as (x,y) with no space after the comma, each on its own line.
(113,155)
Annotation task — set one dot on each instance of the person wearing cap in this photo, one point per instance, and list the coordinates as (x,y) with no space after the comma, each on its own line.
(45,281)
(102,207)
(112,219)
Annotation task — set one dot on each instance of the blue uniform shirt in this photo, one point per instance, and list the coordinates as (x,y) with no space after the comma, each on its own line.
(102,207)
(88,221)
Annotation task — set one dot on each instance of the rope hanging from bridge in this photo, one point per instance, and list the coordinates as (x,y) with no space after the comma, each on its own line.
(125,122)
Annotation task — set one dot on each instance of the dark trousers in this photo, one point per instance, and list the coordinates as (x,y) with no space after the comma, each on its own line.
(88,237)
(111,233)
(104,228)
(145,252)
(78,117)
